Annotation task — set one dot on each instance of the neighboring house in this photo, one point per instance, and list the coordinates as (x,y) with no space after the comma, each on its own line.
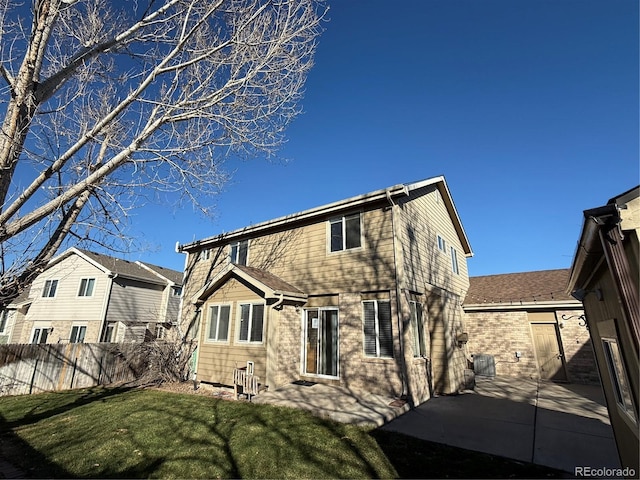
(604,277)
(529,327)
(84,296)
(365,293)
(10,315)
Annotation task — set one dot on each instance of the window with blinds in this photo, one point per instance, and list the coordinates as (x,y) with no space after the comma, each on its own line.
(378,337)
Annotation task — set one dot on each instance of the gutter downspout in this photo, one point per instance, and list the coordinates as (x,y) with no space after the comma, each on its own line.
(403,369)
(279,302)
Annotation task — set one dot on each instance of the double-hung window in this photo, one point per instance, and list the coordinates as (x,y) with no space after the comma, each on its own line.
(239,252)
(345,233)
(218,328)
(86,287)
(418,329)
(442,244)
(251,322)
(77,334)
(50,287)
(378,339)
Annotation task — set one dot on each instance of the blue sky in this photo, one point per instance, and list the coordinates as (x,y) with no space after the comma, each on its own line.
(529,109)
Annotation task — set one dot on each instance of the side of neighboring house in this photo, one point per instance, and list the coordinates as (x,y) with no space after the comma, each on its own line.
(604,277)
(530,327)
(83,296)
(364,293)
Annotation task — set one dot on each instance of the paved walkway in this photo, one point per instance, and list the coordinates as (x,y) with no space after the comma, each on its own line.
(556,425)
(561,426)
(337,403)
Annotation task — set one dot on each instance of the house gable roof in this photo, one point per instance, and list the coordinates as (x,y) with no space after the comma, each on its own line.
(386,194)
(538,289)
(122,268)
(272,286)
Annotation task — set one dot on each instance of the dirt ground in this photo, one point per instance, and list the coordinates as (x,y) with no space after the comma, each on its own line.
(225,393)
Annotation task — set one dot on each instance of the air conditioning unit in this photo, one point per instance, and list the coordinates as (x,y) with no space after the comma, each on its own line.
(484,365)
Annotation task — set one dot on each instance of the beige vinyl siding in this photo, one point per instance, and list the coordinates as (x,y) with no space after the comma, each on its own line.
(217,360)
(301,257)
(134,301)
(421,218)
(66,307)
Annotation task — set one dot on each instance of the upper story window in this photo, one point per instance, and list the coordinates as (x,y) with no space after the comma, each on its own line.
(218,327)
(239,252)
(176,291)
(454,261)
(50,287)
(345,232)
(378,338)
(86,287)
(442,244)
(204,254)
(251,322)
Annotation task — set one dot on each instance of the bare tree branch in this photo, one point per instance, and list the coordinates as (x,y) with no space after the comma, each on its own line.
(109,104)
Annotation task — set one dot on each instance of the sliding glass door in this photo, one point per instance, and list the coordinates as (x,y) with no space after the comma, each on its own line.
(321,342)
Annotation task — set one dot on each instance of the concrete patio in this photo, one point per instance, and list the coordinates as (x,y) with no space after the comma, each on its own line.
(562,426)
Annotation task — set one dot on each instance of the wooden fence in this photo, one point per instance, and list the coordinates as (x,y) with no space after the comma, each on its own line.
(28,369)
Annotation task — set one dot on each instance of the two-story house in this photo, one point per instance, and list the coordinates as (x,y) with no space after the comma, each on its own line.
(84,296)
(365,293)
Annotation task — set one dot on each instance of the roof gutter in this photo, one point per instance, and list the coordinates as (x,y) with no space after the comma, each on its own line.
(325,210)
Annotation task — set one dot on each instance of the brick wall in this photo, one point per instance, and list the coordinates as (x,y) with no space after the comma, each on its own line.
(503,333)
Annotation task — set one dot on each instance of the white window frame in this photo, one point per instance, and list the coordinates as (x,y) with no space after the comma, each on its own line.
(46,289)
(251,304)
(207,337)
(80,329)
(39,330)
(85,282)
(204,254)
(4,321)
(234,252)
(176,291)
(455,267)
(343,223)
(441,243)
(378,353)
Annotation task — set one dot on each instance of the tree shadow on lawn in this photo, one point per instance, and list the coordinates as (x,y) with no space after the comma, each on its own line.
(19,453)
(416,458)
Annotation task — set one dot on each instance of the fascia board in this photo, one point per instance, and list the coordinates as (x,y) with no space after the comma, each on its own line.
(441,183)
(151,270)
(301,216)
(564,304)
(72,251)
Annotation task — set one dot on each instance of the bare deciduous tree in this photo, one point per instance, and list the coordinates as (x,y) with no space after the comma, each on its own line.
(108,101)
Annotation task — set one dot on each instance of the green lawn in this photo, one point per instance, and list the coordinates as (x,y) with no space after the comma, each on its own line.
(148,433)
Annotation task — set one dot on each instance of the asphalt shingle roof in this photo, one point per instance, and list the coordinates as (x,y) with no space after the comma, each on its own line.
(525,287)
(270,280)
(132,269)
